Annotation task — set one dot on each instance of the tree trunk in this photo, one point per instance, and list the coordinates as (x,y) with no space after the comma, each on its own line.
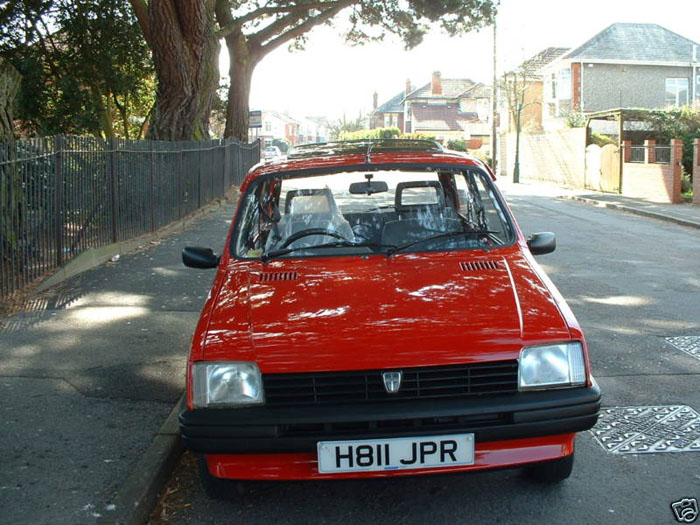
(186,56)
(242,65)
(9,86)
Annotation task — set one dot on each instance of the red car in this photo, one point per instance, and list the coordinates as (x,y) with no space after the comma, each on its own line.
(377,312)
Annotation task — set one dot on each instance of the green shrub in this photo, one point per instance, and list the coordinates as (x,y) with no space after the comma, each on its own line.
(376,133)
(575,119)
(602,140)
(457,145)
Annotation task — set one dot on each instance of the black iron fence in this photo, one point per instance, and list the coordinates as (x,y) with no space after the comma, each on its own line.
(62,195)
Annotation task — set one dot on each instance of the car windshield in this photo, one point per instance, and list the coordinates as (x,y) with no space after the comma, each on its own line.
(366,212)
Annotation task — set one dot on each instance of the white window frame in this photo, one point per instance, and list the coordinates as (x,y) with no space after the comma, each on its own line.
(676,86)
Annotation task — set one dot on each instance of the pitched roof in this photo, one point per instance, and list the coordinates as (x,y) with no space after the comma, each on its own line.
(635,42)
(393,105)
(533,64)
(451,88)
(443,117)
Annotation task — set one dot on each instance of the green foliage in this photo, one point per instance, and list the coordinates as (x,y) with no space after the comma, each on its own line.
(337,128)
(457,145)
(602,140)
(417,136)
(283,145)
(575,119)
(86,68)
(677,123)
(377,133)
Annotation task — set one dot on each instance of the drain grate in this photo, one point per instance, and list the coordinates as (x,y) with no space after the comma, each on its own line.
(648,429)
(690,344)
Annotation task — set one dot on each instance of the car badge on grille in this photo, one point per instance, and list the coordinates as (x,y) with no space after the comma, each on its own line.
(392,381)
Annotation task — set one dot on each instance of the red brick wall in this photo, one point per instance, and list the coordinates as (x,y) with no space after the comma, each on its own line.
(696,171)
(654,182)
(576,86)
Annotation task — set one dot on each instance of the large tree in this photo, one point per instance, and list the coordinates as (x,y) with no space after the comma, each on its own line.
(254,28)
(181,35)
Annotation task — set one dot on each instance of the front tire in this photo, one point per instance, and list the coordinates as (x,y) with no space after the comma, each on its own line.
(553,471)
(216,488)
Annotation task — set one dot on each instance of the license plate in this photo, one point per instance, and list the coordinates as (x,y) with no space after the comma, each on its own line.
(395,453)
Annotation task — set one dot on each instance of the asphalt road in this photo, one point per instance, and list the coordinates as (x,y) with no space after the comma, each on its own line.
(632,282)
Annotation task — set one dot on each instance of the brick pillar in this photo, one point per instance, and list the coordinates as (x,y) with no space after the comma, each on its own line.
(696,171)
(649,151)
(676,169)
(627,150)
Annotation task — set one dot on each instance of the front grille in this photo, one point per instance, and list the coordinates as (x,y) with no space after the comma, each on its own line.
(394,427)
(445,382)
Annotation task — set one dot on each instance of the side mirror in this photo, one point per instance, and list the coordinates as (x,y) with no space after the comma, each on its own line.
(196,257)
(541,243)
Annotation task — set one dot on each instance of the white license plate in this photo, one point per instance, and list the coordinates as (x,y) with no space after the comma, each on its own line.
(395,453)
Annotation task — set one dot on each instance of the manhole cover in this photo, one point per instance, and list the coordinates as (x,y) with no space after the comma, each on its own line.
(690,344)
(648,429)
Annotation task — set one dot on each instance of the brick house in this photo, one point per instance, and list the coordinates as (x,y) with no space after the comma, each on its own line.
(623,66)
(448,109)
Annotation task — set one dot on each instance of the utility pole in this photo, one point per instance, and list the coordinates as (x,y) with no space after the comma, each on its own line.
(516,169)
(494,105)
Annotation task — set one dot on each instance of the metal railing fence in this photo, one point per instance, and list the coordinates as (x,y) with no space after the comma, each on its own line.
(62,195)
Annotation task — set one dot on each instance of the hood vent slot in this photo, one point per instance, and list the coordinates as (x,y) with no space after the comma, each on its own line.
(278,276)
(480,266)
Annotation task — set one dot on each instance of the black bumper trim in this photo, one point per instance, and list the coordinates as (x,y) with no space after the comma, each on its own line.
(259,430)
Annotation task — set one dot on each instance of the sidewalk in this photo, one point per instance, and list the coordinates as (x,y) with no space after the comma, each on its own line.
(684,214)
(89,372)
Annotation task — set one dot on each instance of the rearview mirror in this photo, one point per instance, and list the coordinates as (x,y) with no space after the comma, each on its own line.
(541,243)
(369,187)
(196,257)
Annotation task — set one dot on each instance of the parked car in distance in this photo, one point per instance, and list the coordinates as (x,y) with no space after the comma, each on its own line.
(377,312)
(271,153)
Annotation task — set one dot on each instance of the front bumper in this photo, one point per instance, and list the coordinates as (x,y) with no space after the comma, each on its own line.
(262,430)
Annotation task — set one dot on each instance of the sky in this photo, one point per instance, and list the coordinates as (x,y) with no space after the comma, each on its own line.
(333,79)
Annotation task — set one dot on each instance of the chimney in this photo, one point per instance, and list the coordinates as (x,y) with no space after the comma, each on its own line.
(436,85)
(408,86)
(375,100)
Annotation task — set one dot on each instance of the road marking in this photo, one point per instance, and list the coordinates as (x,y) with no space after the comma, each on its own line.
(690,344)
(648,429)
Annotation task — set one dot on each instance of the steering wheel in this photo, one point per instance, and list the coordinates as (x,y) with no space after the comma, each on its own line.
(311,231)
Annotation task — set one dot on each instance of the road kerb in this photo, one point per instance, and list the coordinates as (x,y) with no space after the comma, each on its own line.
(138,495)
(636,211)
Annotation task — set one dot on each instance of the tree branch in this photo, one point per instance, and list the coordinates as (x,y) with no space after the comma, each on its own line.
(141,11)
(236,23)
(305,26)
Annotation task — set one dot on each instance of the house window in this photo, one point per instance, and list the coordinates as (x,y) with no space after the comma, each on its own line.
(676,92)
(268,125)
(391,120)
(564,82)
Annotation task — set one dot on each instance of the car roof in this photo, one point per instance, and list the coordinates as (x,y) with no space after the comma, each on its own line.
(364,154)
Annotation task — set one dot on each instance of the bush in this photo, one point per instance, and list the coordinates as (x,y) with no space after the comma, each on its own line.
(377,133)
(575,119)
(457,145)
(283,145)
(601,140)
(417,136)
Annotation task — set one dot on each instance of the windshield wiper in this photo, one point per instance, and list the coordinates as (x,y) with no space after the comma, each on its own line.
(445,235)
(339,244)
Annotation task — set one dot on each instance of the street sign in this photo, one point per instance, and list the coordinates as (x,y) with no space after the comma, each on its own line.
(255,119)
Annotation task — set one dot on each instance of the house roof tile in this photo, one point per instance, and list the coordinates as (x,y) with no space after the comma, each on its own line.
(443,117)
(635,42)
(393,105)
(451,88)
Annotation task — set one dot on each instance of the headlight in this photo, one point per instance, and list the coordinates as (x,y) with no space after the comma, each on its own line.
(551,366)
(222,384)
